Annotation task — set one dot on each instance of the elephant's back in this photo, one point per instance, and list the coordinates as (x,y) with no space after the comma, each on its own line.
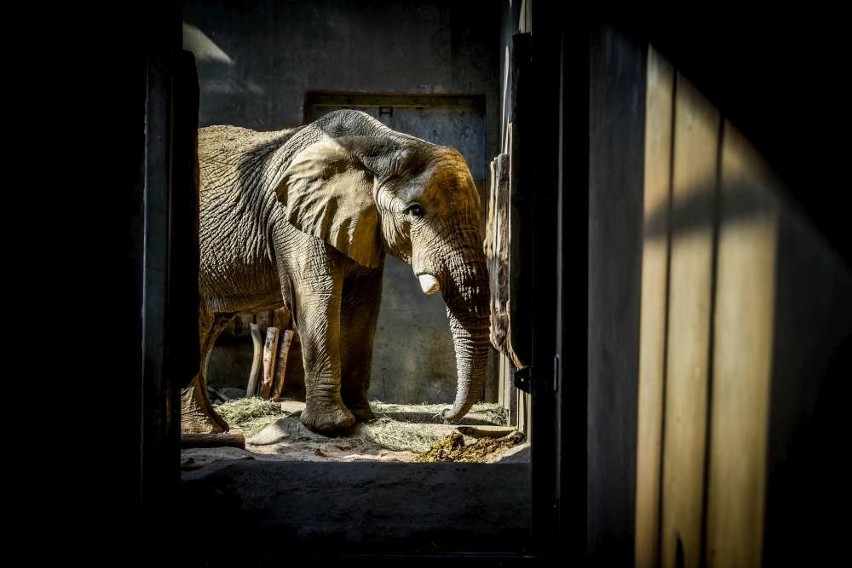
(228,151)
(225,140)
(236,168)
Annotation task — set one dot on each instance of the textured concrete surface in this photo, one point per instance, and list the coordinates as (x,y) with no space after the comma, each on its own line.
(283,509)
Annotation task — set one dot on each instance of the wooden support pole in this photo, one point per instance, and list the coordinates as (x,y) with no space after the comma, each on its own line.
(281,367)
(270,350)
(256,361)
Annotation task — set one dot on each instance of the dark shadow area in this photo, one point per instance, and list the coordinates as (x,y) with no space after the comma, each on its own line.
(808,489)
(616,163)
(276,512)
(779,84)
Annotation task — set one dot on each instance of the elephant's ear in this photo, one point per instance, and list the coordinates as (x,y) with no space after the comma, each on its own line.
(328,193)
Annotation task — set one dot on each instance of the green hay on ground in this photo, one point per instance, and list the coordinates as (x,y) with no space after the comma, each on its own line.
(408,426)
(398,427)
(490,412)
(251,415)
(494,413)
(393,435)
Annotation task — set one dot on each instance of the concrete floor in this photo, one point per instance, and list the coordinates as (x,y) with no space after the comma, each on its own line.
(259,511)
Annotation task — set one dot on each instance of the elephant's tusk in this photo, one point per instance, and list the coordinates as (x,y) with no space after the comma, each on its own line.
(429,284)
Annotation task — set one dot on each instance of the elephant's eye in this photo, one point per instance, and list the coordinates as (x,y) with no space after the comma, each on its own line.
(415,210)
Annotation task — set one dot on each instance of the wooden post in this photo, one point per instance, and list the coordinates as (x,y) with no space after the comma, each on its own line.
(251,390)
(270,350)
(281,367)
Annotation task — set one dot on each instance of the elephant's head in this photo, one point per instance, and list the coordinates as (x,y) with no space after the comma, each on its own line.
(366,189)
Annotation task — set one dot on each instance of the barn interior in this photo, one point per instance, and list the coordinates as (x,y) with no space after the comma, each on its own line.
(676,274)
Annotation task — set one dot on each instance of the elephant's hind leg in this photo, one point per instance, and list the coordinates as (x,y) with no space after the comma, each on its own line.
(197,415)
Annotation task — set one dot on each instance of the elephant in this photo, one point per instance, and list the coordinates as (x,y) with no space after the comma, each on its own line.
(303,217)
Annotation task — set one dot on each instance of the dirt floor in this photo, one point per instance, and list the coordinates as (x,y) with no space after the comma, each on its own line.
(400,433)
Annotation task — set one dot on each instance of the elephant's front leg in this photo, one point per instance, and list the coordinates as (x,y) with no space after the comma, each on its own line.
(362,293)
(317,294)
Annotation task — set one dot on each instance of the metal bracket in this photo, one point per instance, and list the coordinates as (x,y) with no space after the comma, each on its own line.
(526,378)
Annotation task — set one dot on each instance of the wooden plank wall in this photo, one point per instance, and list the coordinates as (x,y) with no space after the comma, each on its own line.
(742,356)
(696,130)
(655,266)
(706,333)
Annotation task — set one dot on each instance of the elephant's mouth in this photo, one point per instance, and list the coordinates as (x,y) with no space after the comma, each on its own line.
(428,283)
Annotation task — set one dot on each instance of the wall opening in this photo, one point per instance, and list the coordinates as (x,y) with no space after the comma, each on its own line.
(273,66)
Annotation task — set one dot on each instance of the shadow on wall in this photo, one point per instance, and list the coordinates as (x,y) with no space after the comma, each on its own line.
(697,211)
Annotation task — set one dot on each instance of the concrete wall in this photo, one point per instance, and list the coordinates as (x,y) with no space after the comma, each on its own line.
(258,59)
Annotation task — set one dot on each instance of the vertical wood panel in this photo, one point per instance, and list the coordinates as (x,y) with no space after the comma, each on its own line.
(694,176)
(618,74)
(742,357)
(155,385)
(658,140)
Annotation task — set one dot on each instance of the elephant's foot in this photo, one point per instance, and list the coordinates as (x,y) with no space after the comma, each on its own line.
(361,411)
(328,420)
(196,413)
(356,401)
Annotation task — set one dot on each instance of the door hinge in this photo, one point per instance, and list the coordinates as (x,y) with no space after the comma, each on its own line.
(524,378)
(528,379)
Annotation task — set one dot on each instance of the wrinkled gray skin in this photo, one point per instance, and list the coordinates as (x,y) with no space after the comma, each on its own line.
(303,217)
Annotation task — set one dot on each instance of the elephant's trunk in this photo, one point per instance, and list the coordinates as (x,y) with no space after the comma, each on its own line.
(467,298)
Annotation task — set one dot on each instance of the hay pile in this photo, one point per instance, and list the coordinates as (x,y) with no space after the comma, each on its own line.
(416,430)
(251,415)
